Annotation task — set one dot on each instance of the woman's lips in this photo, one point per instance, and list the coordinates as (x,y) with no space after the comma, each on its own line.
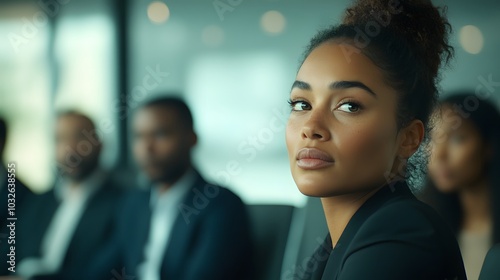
(311,158)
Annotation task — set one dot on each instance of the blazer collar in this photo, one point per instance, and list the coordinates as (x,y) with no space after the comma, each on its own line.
(393,190)
(185,226)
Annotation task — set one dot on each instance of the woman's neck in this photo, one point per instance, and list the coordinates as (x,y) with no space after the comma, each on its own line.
(340,209)
(476,206)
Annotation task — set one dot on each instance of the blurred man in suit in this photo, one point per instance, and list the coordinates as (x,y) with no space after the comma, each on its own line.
(63,228)
(181,228)
(11,190)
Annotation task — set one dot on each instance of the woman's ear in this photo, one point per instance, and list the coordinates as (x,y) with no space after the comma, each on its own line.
(410,138)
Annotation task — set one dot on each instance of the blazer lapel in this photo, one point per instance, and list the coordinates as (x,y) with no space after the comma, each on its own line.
(182,232)
(140,219)
(338,254)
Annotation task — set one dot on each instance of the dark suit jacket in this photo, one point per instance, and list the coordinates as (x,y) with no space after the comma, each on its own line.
(391,236)
(491,265)
(21,195)
(210,238)
(92,232)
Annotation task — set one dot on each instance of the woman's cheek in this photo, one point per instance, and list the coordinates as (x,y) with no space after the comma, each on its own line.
(363,149)
(290,135)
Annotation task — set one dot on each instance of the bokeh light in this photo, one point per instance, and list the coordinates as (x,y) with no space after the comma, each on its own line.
(471,39)
(273,22)
(158,12)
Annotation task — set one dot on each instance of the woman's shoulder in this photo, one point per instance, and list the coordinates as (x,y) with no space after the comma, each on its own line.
(410,236)
(403,239)
(410,210)
(403,213)
(406,220)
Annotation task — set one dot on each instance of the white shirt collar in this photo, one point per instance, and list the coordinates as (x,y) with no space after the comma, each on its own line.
(87,187)
(176,192)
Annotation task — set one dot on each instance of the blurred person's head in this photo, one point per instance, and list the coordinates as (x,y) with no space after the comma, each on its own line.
(77,145)
(3,136)
(163,139)
(464,157)
(464,142)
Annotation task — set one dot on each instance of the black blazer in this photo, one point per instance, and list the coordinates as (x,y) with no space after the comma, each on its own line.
(209,241)
(491,265)
(21,195)
(92,232)
(391,236)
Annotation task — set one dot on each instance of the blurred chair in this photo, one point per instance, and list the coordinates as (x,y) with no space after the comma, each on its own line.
(491,265)
(308,230)
(270,228)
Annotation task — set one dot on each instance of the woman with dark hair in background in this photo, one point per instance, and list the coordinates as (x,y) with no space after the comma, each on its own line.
(360,107)
(464,171)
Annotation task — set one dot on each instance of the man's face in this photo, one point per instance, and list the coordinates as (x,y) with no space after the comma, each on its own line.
(162,143)
(77,155)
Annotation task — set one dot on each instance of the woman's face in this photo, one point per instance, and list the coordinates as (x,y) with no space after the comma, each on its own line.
(341,134)
(457,152)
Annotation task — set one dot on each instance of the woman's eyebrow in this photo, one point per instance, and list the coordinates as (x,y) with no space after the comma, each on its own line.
(336,85)
(351,84)
(301,85)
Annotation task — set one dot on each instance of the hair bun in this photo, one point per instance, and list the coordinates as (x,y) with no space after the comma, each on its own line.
(419,22)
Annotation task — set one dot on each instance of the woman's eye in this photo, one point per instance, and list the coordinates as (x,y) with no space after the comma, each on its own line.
(437,137)
(457,139)
(161,134)
(299,105)
(349,107)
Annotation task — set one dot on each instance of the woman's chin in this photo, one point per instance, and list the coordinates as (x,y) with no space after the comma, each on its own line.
(447,188)
(313,192)
(316,189)
(319,187)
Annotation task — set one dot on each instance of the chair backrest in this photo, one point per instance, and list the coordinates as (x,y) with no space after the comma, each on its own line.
(491,265)
(307,232)
(270,228)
